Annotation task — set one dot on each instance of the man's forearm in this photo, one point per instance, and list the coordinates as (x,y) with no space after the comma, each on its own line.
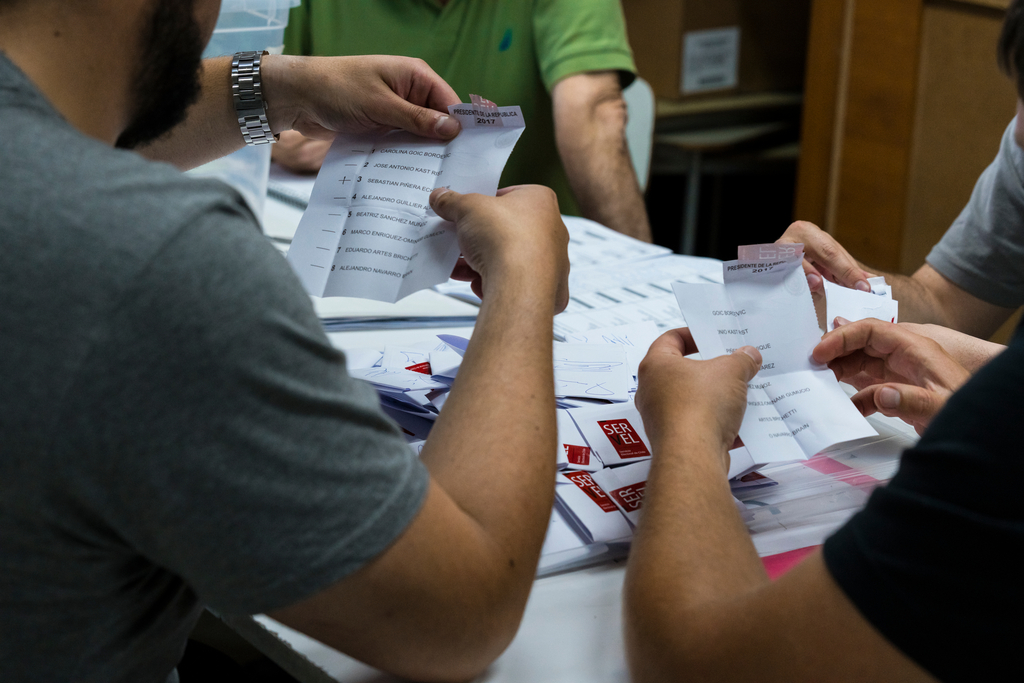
(691,550)
(928,297)
(499,423)
(590,124)
(317,96)
(211,129)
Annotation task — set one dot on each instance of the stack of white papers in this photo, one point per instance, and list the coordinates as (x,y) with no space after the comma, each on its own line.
(592,371)
(423,309)
(591,245)
(631,293)
(369,231)
(603,453)
(636,339)
(411,390)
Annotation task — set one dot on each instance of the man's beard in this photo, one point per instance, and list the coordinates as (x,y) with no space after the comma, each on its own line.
(167,80)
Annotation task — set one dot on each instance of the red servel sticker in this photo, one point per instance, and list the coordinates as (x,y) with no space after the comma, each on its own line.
(587,484)
(577,455)
(631,497)
(625,439)
(422,368)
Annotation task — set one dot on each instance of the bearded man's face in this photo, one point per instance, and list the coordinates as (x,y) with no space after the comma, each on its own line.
(167,78)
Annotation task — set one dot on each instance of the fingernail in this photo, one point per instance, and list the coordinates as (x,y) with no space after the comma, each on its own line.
(889,398)
(862,285)
(446,126)
(813,281)
(840,321)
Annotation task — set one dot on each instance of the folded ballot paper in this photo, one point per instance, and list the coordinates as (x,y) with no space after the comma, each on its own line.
(573,451)
(615,433)
(855,305)
(625,487)
(588,510)
(795,407)
(369,231)
(592,371)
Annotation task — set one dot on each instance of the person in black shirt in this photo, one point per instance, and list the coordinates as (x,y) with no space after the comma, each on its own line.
(920,585)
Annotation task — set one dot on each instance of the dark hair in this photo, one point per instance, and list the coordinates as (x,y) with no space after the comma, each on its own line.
(1011,44)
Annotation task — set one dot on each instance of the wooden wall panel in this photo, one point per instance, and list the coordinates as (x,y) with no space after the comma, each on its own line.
(870,203)
(963,106)
(821,93)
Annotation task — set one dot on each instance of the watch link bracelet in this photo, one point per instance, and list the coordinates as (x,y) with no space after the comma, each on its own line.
(247,95)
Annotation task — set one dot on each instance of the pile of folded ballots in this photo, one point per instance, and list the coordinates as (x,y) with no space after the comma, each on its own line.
(603,452)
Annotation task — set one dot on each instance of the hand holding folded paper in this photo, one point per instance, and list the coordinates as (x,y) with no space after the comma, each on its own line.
(795,407)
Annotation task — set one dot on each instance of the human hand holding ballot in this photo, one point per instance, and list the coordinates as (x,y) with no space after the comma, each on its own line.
(678,397)
(824,259)
(795,406)
(321,97)
(520,226)
(370,230)
(901,374)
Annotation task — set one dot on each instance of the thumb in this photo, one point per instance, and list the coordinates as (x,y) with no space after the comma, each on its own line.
(814,279)
(422,121)
(912,404)
(448,204)
(749,359)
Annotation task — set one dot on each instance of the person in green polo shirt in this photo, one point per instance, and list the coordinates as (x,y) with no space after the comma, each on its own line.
(563,61)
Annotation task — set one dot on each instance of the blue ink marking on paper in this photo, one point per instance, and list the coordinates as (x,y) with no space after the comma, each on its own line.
(460,343)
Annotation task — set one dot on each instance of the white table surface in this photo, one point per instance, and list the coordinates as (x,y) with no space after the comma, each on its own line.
(571,633)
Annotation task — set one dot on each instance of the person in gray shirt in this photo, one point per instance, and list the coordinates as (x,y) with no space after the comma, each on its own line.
(176,430)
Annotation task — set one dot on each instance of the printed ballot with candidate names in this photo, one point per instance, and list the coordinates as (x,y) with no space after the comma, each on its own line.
(369,231)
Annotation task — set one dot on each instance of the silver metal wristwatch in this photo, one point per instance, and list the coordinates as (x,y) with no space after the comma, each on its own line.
(247,95)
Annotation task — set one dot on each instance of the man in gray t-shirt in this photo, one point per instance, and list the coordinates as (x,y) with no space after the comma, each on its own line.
(982,253)
(176,430)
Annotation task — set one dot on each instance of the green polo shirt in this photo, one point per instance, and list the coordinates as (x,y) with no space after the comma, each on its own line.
(510,52)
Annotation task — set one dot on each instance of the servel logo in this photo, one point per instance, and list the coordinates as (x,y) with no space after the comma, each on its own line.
(577,455)
(587,484)
(631,497)
(422,368)
(625,439)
